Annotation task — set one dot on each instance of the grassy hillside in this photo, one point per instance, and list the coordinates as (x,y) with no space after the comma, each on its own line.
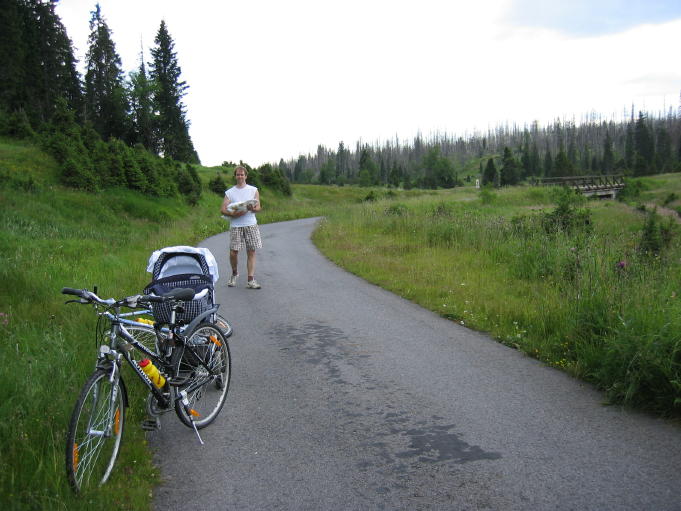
(51,237)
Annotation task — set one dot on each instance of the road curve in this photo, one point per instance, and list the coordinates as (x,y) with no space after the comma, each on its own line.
(345,396)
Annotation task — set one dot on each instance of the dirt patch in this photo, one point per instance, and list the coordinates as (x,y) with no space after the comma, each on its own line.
(662,211)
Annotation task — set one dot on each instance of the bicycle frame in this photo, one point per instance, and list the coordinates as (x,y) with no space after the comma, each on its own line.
(112,355)
(118,328)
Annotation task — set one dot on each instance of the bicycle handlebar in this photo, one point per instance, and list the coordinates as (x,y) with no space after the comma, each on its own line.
(176,295)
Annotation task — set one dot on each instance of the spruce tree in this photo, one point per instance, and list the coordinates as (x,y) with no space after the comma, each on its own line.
(105,99)
(644,146)
(172,127)
(663,155)
(13,49)
(509,173)
(394,176)
(535,161)
(342,163)
(629,148)
(563,166)
(525,158)
(489,176)
(141,92)
(548,164)
(37,66)
(299,170)
(61,76)
(608,156)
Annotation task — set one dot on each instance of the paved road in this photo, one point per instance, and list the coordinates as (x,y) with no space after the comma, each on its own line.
(345,396)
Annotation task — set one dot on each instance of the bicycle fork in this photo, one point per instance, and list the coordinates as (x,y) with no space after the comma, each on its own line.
(190,412)
(111,424)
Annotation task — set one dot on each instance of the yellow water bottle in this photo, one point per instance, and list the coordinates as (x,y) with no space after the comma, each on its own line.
(152,372)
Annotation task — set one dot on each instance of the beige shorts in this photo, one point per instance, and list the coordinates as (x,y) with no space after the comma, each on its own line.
(249,237)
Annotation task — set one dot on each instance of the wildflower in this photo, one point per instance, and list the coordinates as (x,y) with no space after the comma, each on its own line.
(622,265)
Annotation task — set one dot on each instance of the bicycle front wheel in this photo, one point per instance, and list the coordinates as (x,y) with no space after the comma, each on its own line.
(146,336)
(208,385)
(95,432)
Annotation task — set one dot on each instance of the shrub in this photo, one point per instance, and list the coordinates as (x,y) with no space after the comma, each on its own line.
(217,185)
(188,183)
(568,216)
(396,210)
(442,209)
(631,191)
(670,198)
(370,197)
(655,236)
(16,125)
(487,196)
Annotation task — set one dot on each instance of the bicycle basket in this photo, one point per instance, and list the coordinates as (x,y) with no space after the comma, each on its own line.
(203,301)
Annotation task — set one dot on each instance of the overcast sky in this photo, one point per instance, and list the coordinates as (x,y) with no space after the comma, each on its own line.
(273,79)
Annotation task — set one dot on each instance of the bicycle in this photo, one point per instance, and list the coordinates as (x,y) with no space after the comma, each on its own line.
(194,360)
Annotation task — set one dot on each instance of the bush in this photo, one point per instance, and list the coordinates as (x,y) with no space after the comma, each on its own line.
(569,216)
(269,176)
(487,196)
(217,185)
(16,125)
(188,183)
(396,210)
(370,197)
(443,209)
(655,236)
(631,191)
(670,198)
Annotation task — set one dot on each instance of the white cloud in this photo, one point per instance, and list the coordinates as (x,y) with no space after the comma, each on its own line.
(271,79)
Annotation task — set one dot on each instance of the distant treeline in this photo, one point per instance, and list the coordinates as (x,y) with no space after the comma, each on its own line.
(104,129)
(644,144)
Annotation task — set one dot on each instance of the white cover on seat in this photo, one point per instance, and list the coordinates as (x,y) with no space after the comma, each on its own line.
(180,265)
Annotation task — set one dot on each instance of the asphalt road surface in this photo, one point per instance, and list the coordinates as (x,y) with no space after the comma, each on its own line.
(345,396)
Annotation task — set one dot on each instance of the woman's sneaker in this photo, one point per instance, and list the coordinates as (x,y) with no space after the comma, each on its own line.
(232,280)
(253,284)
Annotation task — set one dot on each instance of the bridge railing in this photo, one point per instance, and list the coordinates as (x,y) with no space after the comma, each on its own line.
(602,182)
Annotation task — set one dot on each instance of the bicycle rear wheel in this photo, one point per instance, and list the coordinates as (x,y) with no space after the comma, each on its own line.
(206,390)
(95,432)
(224,325)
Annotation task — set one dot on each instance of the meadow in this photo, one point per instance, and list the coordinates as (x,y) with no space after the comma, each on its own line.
(587,301)
(567,281)
(52,237)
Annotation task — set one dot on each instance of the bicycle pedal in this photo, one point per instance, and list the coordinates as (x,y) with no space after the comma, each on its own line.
(151,424)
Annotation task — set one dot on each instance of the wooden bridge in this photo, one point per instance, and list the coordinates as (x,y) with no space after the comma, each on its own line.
(605,186)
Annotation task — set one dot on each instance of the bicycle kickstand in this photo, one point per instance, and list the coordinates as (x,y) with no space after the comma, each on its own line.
(190,413)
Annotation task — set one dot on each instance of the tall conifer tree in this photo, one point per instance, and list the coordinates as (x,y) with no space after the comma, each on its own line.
(172,128)
(489,175)
(37,65)
(608,156)
(105,98)
(141,106)
(509,169)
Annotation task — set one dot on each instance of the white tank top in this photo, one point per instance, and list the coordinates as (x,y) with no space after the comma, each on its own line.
(239,195)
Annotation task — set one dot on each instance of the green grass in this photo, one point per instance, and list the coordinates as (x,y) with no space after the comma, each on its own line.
(51,237)
(559,298)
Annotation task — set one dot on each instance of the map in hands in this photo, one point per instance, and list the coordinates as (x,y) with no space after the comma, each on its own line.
(242,206)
